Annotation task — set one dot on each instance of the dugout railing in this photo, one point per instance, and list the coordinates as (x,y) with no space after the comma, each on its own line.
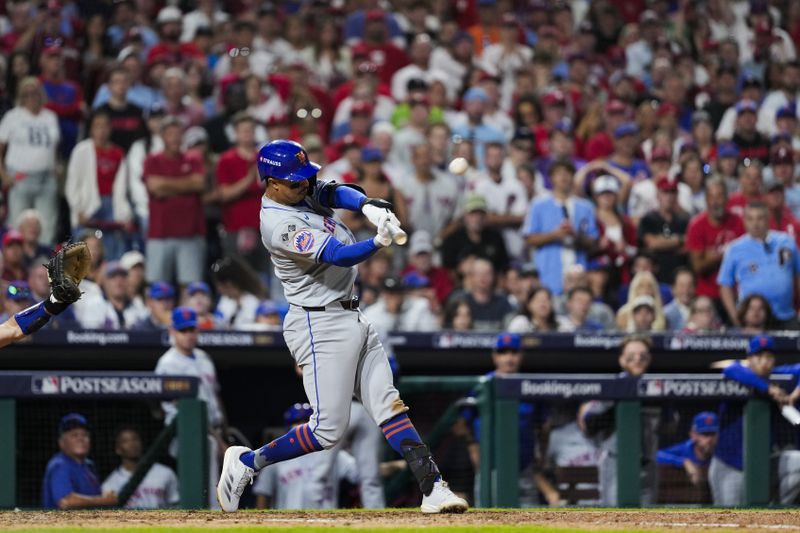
(55,390)
(499,397)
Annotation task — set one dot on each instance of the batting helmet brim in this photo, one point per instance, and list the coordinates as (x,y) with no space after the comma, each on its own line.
(303,173)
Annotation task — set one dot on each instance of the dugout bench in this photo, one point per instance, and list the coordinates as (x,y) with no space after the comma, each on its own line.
(190,425)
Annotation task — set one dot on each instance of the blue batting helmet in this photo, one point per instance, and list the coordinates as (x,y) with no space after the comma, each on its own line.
(296,413)
(285,160)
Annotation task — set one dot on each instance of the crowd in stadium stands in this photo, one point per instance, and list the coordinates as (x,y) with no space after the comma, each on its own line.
(631,164)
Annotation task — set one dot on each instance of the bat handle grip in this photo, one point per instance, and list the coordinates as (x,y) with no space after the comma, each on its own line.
(398,235)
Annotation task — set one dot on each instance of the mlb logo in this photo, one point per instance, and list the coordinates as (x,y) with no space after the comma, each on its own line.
(45,385)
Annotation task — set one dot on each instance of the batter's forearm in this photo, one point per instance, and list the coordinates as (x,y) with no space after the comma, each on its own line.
(339,254)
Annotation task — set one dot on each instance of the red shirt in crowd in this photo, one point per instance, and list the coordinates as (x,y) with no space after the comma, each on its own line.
(703,235)
(244,211)
(108,161)
(180,215)
(786,223)
(738,201)
(440,279)
(388,57)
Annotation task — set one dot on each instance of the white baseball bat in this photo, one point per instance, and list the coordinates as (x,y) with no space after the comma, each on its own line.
(398,235)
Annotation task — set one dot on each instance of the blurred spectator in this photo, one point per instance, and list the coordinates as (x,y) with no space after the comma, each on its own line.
(624,157)
(431,195)
(184,358)
(599,311)
(198,297)
(579,301)
(70,480)
(725,474)
(617,237)
(784,95)
(64,97)
(174,87)
(536,314)
(707,237)
(397,311)
(683,292)
(755,315)
(663,231)
(561,227)
(457,315)
(475,238)
(134,261)
(726,167)
(750,187)
(125,22)
(419,52)
(520,280)
(472,123)
(158,489)
(268,317)
(133,166)
(455,58)
(239,191)
(505,197)
(644,193)
(420,260)
(488,309)
(29,224)
(239,289)
(761,262)
(780,216)
(95,190)
(13,263)
(694,455)
(643,284)
(752,145)
(327,57)
(127,119)
(176,229)
(139,93)
(783,172)
(691,188)
(29,135)
(702,317)
(170,50)
(160,302)
(119,311)
(376,47)
(643,315)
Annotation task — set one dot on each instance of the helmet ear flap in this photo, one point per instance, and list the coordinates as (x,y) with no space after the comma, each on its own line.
(312,184)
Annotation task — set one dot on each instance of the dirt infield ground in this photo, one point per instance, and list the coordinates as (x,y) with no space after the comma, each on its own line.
(406,520)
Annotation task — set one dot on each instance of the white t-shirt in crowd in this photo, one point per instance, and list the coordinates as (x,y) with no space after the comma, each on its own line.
(158,489)
(31,140)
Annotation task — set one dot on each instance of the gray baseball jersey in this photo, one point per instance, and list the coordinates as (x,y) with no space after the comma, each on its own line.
(339,352)
(158,489)
(295,236)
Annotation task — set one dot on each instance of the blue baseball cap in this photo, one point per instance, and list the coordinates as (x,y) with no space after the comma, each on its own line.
(744,106)
(267,308)
(297,412)
(760,343)
(370,154)
(161,290)
(18,291)
(728,149)
(72,421)
(198,286)
(183,318)
(564,126)
(508,341)
(285,160)
(705,422)
(415,280)
(628,128)
(476,93)
(785,111)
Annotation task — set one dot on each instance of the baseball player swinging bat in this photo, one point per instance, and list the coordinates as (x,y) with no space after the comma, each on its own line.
(339,352)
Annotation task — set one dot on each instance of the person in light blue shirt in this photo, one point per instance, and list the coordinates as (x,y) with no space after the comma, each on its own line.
(761,262)
(470,124)
(139,94)
(561,227)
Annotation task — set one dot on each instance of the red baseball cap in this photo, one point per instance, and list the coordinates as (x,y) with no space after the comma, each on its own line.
(12,236)
(554,98)
(666,184)
(361,107)
(616,106)
(660,154)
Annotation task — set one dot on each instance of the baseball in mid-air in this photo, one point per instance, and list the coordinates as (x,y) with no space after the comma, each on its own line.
(459,165)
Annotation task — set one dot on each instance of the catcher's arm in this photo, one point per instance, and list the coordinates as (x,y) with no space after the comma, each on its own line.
(10,332)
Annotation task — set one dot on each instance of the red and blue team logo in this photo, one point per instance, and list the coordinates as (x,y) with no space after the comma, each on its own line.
(303,240)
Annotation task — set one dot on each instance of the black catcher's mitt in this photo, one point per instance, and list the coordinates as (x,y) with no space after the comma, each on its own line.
(66,269)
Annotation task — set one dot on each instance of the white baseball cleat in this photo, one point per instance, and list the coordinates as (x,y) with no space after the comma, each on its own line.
(442,500)
(234,478)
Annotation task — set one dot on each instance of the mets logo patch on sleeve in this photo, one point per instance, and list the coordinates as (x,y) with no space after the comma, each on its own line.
(303,240)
